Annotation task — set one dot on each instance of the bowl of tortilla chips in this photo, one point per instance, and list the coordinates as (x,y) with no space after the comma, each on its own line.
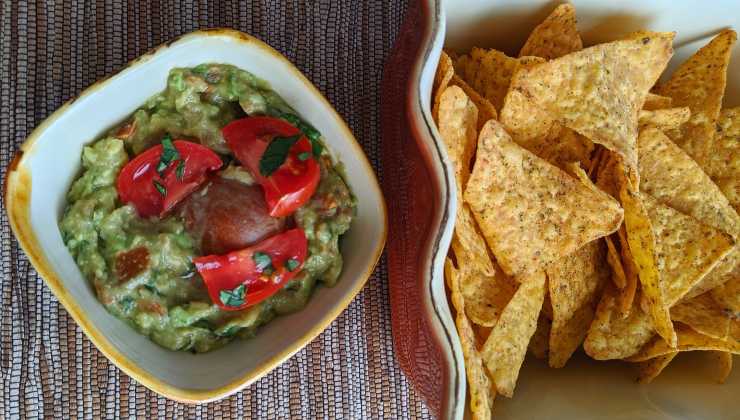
(592,159)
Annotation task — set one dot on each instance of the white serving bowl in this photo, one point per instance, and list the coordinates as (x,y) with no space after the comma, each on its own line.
(49,161)
(583,388)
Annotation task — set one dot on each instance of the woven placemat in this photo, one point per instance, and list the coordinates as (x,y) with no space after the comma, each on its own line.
(51,51)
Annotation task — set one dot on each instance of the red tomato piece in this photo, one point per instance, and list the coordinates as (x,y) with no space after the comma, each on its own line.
(295,181)
(246,277)
(140,184)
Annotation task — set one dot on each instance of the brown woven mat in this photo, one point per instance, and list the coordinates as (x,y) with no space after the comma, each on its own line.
(51,51)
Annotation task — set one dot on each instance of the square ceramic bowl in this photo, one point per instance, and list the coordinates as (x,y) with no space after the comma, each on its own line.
(583,388)
(49,161)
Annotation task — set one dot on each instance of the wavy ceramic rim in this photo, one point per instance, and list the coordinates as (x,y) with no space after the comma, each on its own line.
(16,193)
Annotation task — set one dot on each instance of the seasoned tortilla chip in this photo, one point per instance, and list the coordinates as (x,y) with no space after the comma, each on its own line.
(504,351)
(699,83)
(665,119)
(727,297)
(485,296)
(486,111)
(614,259)
(687,250)
(575,283)
(441,79)
(598,91)
(556,36)
(530,212)
(488,72)
(653,102)
(723,365)
(641,239)
(674,179)
(456,123)
(651,368)
(540,342)
(723,163)
(688,340)
(482,393)
(703,314)
(626,295)
(613,337)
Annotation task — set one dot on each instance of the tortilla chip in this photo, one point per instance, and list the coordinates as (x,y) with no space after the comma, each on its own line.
(614,259)
(556,36)
(723,163)
(530,212)
(486,111)
(481,391)
(441,78)
(703,315)
(456,123)
(674,179)
(575,283)
(688,340)
(727,296)
(488,72)
(653,102)
(651,368)
(723,365)
(539,345)
(613,337)
(699,83)
(506,347)
(665,119)
(598,91)
(485,296)
(626,295)
(687,250)
(641,239)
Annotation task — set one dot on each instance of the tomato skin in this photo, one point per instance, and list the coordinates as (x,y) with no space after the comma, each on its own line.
(295,181)
(135,183)
(226,272)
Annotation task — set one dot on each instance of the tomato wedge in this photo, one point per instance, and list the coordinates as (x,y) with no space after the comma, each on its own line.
(246,277)
(295,180)
(154,192)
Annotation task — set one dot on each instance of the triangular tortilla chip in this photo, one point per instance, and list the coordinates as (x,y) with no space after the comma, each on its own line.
(539,345)
(556,36)
(653,102)
(626,295)
(481,391)
(456,123)
(613,337)
(723,163)
(642,245)
(441,79)
(687,249)
(674,179)
(703,315)
(598,91)
(504,351)
(727,296)
(530,212)
(723,365)
(699,83)
(664,119)
(614,259)
(688,340)
(488,72)
(575,282)
(485,296)
(486,111)
(651,368)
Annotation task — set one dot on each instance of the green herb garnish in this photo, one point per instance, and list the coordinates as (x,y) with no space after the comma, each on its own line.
(234,297)
(161,188)
(169,155)
(263,263)
(313,135)
(276,153)
(291,264)
(180,170)
(304,156)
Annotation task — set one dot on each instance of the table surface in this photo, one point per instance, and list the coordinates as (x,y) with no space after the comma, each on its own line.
(52,50)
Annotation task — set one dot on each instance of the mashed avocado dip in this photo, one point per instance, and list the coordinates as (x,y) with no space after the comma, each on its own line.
(142,268)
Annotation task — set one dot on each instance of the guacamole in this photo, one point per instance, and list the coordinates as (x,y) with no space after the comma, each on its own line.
(142,268)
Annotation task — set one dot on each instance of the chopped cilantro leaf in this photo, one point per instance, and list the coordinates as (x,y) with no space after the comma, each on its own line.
(276,153)
(161,188)
(169,155)
(234,297)
(291,264)
(262,262)
(180,171)
(304,156)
